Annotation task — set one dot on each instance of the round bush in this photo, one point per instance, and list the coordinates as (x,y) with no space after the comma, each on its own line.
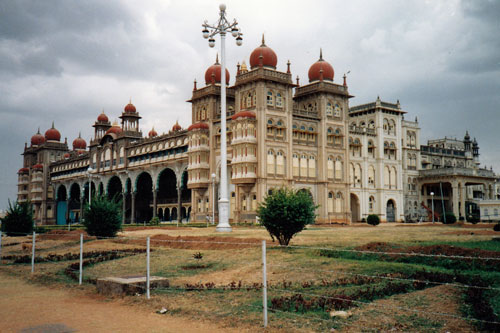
(373,220)
(103,217)
(496,227)
(448,218)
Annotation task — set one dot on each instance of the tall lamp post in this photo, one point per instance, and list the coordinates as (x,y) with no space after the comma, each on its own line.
(209,31)
(432,196)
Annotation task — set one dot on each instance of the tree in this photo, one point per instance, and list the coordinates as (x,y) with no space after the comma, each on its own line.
(285,213)
(373,219)
(448,218)
(19,219)
(103,217)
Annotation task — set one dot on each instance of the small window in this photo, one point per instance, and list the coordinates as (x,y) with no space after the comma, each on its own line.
(279,100)
(270,98)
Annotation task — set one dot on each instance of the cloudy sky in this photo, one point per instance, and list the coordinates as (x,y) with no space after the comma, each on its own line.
(65,61)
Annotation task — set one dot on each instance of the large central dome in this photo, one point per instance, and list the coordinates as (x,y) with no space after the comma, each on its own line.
(263,55)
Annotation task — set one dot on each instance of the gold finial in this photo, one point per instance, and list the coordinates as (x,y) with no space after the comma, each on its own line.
(244,67)
(38,130)
(130,100)
(80,135)
(320,53)
(263,41)
(53,124)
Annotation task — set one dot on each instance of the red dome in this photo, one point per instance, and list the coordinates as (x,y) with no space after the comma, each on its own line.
(79,143)
(198,126)
(37,139)
(317,67)
(215,70)
(269,58)
(243,114)
(37,166)
(67,155)
(52,134)
(129,108)
(23,170)
(152,133)
(176,127)
(115,129)
(103,118)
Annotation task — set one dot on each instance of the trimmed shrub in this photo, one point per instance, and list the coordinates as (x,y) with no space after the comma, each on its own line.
(155,221)
(286,212)
(373,220)
(103,218)
(19,219)
(496,227)
(448,218)
(474,219)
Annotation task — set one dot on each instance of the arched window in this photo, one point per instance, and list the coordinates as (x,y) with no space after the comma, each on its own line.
(351,174)
(270,162)
(357,175)
(303,165)
(249,100)
(371,204)
(329,109)
(279,100)
(330,202)
(386,126)
(296,165)
(394,183)
(371,176)
(387,177)
(280,163)
(337,110)
(312,166)
(330,167)
(269,98)
(338,168)
(339,202)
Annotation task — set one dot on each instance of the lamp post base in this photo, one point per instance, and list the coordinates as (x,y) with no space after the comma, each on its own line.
(223,225)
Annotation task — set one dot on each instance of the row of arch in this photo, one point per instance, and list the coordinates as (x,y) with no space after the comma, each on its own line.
(356,176)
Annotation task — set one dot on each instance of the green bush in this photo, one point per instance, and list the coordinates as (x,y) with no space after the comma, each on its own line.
(154,221)
(474,219)
(448,218)
(19,219)
(103,217)
(373,219)
(496,227)
(286,212)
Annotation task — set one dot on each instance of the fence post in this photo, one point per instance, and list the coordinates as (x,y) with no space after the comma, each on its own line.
(264,282)
(147,268)
(81,259)
(33,254)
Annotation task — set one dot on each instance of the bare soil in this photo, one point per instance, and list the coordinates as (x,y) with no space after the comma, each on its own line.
(32,307)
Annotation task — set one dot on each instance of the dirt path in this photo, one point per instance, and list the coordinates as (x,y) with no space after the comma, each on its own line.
(26,307)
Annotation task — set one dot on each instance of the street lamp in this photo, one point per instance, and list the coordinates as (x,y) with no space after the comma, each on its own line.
(209,31)
(432,196)
(89,171)
(213,198)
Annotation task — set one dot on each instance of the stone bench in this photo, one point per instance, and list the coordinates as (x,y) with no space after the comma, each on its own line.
(129,285)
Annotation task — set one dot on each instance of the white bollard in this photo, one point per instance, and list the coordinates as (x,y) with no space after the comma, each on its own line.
(147,269)
(81,260)
(264,282)
(33,254)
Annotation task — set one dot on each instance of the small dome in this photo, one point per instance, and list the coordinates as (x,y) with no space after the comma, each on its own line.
(38,167)
(176,127)
(198,126)
(52,134)
(243,114)
(67,155)
(319,68)
(37,139)
(115,129)
(102,118)
(269,58)
(215,71)
(79,143)
(23,170)
(152,133)
(129,108)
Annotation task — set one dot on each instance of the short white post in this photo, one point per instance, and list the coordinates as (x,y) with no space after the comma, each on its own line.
(264,282)
(81,259)
(147,268)
(33,254)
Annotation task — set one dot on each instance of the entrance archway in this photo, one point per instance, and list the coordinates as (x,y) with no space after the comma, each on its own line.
(390,211)
(144,196)
(61,205)
(114,188)
(74,203)
(355,215)
(167,187)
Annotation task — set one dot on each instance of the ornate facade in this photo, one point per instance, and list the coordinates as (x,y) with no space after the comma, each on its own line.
(352,161)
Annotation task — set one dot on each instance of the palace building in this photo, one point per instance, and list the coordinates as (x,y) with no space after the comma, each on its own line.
(353,161)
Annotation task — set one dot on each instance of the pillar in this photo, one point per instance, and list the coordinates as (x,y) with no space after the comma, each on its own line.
(455,194)
(82,200)
(463,190)
(179,203)
(132,213)
(155,194)
(124,206)
(67,211)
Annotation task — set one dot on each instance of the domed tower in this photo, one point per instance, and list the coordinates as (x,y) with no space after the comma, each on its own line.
(475,151)
(130,119)
(37,139)
(467,145)
(152,133)
(79,143)
(198,156)
(176,127)
(101,125)
(52,134)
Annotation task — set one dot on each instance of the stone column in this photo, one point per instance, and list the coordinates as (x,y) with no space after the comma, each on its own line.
(67,211)
(82,200)
(179,203)
(455,195)
(132,213)
(124,206)
(155,194)
(462,201)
